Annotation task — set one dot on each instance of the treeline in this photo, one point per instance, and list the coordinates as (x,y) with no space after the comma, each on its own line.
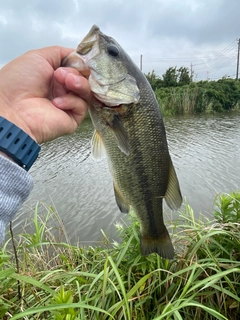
(177,93)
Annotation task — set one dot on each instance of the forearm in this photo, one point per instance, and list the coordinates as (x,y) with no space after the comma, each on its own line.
(15,186)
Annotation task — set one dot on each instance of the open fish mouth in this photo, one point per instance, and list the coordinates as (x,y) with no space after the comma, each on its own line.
(87,50)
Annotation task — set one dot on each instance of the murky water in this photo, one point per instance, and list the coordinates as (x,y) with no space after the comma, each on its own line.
(205,150)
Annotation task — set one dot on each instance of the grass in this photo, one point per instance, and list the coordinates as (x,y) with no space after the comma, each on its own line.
(197,97)
(56,280)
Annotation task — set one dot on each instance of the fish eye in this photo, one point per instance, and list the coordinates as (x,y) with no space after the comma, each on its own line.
(113,50)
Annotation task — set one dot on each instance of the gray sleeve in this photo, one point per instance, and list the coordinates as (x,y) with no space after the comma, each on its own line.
(15,186)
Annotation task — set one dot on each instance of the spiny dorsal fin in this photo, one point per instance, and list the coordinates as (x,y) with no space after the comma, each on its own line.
(97,147)
(173,195)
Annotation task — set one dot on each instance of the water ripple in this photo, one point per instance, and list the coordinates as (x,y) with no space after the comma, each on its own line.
(205,151)
(208,156)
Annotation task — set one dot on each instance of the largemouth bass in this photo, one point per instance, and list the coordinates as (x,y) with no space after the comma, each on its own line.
(129,129)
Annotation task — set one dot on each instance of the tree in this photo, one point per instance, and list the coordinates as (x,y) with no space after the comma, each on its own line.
(176,77)
(170,77)
(154,80)
(183,76)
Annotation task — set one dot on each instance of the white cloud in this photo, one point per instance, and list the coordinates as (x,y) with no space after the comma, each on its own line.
(3,19)
(165,32)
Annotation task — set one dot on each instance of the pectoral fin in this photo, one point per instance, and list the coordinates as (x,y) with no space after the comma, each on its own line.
(122,205)
(97,147)
(173,195)
(120,134)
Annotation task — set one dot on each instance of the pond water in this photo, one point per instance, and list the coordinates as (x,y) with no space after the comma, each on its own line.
(205,150)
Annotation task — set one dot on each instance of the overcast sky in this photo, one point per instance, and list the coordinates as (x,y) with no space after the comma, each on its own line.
(201,33)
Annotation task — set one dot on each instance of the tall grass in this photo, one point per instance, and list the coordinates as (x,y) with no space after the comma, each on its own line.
(197,97)
(60,281)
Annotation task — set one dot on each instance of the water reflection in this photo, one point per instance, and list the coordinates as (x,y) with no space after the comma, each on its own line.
(205,152)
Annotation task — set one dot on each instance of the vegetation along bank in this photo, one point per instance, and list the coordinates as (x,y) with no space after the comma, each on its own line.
(48,278)
(177,93)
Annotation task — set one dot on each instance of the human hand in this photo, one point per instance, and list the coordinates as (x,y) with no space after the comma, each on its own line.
(40,97)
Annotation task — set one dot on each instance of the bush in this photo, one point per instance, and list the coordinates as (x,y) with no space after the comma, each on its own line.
(202,96)
(56,280)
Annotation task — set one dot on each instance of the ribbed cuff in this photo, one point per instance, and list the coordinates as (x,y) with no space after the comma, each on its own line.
(15,186)
(2,230)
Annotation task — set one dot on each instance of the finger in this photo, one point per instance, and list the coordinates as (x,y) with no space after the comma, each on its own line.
(73,105)
(79,85)
(61,73)
(58,90)
(54,54)
(59,87)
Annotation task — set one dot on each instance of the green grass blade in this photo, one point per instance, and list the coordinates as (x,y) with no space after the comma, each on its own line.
(52,307)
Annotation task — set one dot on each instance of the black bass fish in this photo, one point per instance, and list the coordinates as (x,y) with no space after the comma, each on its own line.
(129,129)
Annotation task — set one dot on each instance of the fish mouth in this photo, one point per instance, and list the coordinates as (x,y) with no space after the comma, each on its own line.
(89,41)
(74,60)
(96,63)
(86,50)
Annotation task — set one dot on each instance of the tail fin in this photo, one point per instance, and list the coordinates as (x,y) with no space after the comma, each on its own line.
(161,245)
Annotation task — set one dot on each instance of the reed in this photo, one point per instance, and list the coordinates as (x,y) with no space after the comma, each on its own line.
(60,281)
(199,97)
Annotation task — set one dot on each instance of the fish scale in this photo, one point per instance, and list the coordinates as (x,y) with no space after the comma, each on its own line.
(129,129)
(145,167)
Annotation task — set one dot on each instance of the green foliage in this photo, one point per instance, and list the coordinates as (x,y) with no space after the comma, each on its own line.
(228,207)
(64,282)
(64,297)
(203,96)
(184,76)
(177,94)
(154,80)
(174,77)
(170,77)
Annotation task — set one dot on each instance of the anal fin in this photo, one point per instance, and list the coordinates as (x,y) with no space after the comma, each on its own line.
(173,196)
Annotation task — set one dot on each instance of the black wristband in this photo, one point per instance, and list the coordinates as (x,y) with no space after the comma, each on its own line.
(17,144)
